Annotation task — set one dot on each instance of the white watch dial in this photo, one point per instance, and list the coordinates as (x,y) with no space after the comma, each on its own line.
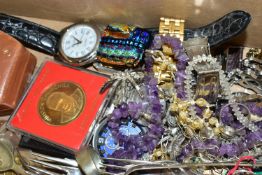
(79,41)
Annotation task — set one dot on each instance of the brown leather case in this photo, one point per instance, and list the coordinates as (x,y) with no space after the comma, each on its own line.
(17,65)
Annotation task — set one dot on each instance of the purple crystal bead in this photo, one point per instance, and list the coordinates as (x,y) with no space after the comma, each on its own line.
(197,144)
(153,82)
(186,151)
(212,146)
(123,107)
(116,114)
(113,124)
(181,65)
(223,149)
(232,150)
(124,110)
(157,42)
(156,108)
(259,124)
(183,58)
(157,119)
(255,109)
(151,145)
(181,94)
(241,146)
(226,117)
(155,129)
(132,106)
(198,110)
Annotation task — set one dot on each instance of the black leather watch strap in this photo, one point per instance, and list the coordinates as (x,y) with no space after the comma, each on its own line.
(220,30)
(33,35)
(223,29)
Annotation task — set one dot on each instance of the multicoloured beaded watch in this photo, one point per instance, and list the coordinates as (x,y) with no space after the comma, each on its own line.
(122,45)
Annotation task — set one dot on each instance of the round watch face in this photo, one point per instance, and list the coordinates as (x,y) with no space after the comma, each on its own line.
(79,42)
(105,143)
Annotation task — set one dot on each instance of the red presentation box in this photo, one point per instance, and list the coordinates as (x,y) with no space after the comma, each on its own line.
(28,120)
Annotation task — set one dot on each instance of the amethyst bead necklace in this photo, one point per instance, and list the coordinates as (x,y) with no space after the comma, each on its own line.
(221,149)
(182,60)
(134,146)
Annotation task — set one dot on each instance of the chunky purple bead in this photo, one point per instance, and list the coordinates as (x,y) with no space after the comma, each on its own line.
(116,114)
(124,110)
(223,149)
(255,109)
(198,110)
(226,117)
(151,145)
(132,106)
(183,58)
(156,108)
(232,150)
(241,146)
(113,124)
(181,95)
(156,118)
(157,42)
(153,82)
(197,144)
(259,124)
(181,66)
(186,151)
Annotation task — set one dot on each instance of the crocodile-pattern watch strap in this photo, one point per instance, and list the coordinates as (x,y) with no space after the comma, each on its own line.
(222,29)
(217,32)
(31,34)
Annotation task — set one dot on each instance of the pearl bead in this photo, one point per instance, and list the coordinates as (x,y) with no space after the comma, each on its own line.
(183,105)
(207,113)
(213,121)
(217,131)
(189,132)
(173,107)
(197,125)
(183,117)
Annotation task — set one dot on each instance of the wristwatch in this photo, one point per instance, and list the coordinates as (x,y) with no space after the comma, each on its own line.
(47,40)
(75,45)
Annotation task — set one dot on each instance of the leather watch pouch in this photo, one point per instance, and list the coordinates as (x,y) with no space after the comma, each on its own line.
(17,65)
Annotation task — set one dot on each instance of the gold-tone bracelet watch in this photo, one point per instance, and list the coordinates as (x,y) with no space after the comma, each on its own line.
(173,27)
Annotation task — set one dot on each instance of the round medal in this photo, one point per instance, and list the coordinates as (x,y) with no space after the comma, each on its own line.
(61,103)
